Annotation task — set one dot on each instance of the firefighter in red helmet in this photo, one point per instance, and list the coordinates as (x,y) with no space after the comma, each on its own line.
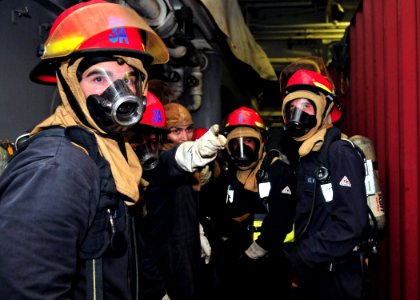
(331,212)
(149,133)
(257,210)
(247,134)
(317,90)
(146,138)
(170,231)
(315,64)
(67,196)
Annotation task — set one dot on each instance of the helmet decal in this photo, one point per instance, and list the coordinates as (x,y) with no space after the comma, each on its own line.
(116,38)
(241,118)
(157,116)
(154,114)
(119,36)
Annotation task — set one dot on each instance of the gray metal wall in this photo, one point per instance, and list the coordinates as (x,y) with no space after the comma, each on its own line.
(22,103)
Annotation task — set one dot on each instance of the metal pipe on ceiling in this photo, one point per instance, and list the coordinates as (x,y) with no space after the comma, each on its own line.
(335,25)
(279,36)
(277,4)
(328,31)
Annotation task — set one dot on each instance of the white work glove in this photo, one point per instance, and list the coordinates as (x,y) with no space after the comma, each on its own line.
(255,251)
(205,246)
(193,155)
(166,297)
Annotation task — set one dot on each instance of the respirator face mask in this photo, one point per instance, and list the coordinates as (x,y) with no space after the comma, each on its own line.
(242,154)
(117,108)
(297,119)
(147,145)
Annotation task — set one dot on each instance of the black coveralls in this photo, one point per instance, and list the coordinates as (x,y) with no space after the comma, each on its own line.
(48,198)
(171,229)
(242,277)
(323,258)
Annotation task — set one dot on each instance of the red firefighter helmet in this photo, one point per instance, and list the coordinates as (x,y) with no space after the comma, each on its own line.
(244,116)
(98,26)
(199,132)
(315,82)
(154,114)
(311,63)
(309,80)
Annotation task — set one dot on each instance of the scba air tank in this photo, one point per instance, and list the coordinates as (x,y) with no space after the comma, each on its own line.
(373,189)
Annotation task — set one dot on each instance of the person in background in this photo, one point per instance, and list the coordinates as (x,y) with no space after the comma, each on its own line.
(209,178)
(257,212)
(146,138)
(171,224)
(180,124)
(311,63)
(66,197)
(315,64)
(331,211)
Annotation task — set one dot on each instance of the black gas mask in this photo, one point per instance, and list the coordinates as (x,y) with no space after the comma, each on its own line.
(146,145)
(117,109)
(297,121)
(242,154)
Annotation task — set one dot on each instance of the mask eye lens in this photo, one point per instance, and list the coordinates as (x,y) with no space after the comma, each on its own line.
(244,150)
(300,117)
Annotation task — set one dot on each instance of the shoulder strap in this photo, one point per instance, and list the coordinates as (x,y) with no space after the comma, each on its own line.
(262,173)
(98,238)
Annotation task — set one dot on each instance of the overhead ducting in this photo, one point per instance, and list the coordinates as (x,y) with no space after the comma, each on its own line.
(159,14)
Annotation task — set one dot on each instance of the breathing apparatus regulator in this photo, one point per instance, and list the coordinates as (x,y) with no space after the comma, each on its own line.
(118,107)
